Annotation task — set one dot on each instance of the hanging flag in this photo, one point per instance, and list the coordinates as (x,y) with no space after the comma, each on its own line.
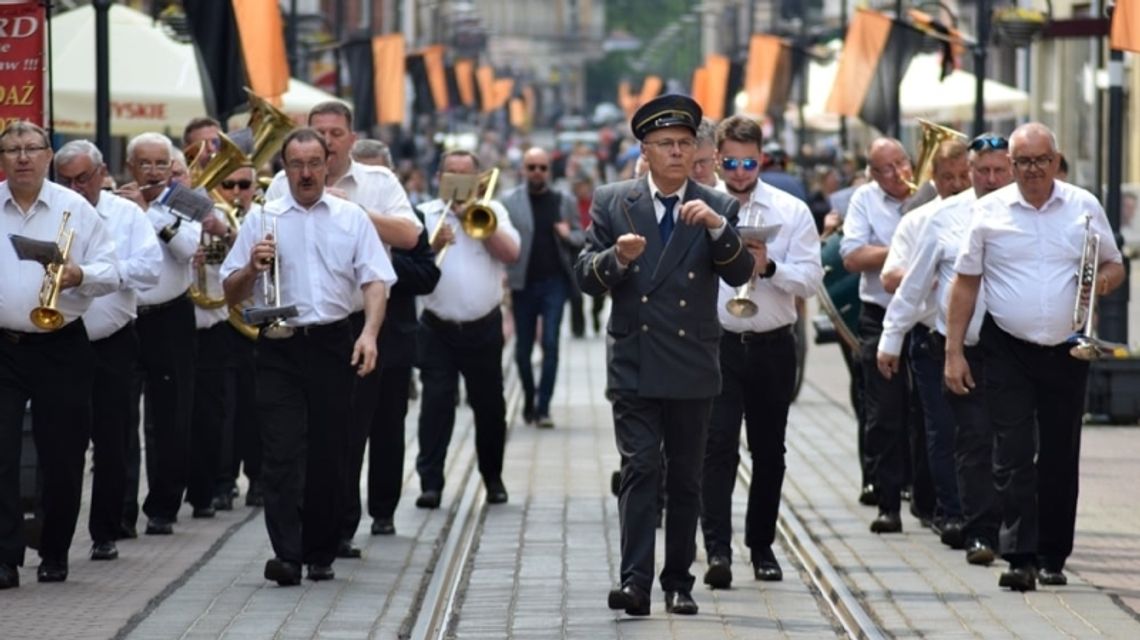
(263,47)
(437,79)
(768,75)
(215,33)
(1125,33)
(357,53)
(531,102)
(503,89)
(650,89)
(626,100)
(465,80)
(422,101)
(485,77)
(716,86)
(875,53)
(699,90)
(951,41)
(520,120)
(388,78)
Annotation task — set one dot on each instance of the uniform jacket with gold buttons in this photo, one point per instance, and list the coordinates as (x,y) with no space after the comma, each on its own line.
(663,334)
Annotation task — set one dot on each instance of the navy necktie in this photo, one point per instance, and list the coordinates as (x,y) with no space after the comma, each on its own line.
(665,226)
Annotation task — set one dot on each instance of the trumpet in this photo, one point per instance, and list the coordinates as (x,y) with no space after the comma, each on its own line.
(1086,345)
(47,316)
(477,218)
(273,317)
(741,304)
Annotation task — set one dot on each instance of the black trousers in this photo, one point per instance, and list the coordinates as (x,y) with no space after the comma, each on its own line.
(241,437)
(475,350)
(1035,396)
(887,409)
(643,429)
(854,364)
(114,414)
(304,395)
(759,374)
(974,452)
(167,353)
(213,371)
(54,371)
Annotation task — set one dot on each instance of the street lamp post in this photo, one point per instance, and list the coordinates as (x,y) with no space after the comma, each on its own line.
(980,47)
(1114,308)
(102,78)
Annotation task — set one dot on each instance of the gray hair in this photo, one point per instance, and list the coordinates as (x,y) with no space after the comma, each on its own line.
(78,149)
(706,132)
(23,127)
(365,149)
(150,137)
(177,157)
(1032,128)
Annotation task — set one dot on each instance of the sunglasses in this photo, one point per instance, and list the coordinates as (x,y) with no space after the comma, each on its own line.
(240,184)
(986,141)
(732,164)
(536,167)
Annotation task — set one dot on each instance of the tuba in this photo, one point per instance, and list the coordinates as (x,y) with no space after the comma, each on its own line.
(933,135)
(47,316)
(477,218)
(269,126)
(1086,346)
(229,158)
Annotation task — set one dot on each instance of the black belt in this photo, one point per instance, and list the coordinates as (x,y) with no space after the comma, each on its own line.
(1060,348)
(151,308)
(28,337)
(433,320)
(319,330)
(750,337)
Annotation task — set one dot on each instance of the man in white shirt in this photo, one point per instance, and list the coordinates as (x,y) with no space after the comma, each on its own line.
(934,495)
(110,327)
(704,161)
(326,254)
(49,362)
(1026,240)
(461,332)
(757,358)
(872,216)
(924,289)
(166,333)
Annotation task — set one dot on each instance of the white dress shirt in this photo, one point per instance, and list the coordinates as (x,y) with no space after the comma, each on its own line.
(902,253)
(206,318)
(326,254)
(140,265)
(1029,258)
(176,256)
(376,189)
(92,249)
(872,216)
(932,272)
(795,250)
(471,279)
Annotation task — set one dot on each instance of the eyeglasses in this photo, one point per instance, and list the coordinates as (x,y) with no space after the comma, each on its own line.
(732,164)
(986,141)
(31,151)
(890,169)
(537,167)
(297,166)
(147,165)
(240,184)
(1039,162)
(684,144)
(80,179)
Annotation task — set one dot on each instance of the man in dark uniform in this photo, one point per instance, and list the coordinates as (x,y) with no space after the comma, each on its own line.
(659,244)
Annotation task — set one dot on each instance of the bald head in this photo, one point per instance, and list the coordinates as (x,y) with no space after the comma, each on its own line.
(890,167)
(1032,133)
(536,164)
(1033,150)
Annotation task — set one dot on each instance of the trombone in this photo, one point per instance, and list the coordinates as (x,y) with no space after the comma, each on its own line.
(477,219)
(1086,346)
(47,316)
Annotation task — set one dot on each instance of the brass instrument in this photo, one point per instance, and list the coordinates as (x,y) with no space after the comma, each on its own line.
(214,252)
(47,316)
(741,304)
(1086,345)
(226,160)
(269,126)
(271,291)
(933,135)
(474,194)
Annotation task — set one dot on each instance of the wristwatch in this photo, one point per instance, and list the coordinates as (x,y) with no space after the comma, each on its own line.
(770,270)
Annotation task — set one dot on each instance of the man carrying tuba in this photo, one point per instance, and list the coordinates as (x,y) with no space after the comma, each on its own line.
(45,356)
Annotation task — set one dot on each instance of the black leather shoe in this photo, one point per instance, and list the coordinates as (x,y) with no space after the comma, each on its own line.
(254,497)
(318,572)
(887,522)
(428,500)
(680,603)
(719,573)
(202,513)
(9,577)
(615,484)
(104,551)
(868,496)
(283,572)
(952,534)
(1019,579)
(345,550)
(979,553)
(383,527)
(52,571)
(1052,577)
(222,502)
(159,527)
(765,566)
(496,493)
(634,600)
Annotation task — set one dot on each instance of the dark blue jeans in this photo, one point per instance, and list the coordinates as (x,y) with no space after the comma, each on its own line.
(545,300)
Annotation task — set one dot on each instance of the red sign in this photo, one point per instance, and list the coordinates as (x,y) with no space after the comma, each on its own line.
(22,41)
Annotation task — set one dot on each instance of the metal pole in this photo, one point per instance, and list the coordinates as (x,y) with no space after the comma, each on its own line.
(843,119)
(102,78)
(980,51)
(337,53)
(291,39)
(896,108)
(1114,307)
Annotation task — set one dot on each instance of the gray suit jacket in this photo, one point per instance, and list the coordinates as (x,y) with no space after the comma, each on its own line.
(517,203)
(663,336)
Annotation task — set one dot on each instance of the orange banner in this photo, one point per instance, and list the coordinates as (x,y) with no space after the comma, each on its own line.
(519,118)
(485,76)
(716,87)
(503,88)
(650,89)
(700,88)
(436,74)
(388,78)
(866,38)
(465,79)
(1125,34)
(626,100)
(263,47)
(764,54)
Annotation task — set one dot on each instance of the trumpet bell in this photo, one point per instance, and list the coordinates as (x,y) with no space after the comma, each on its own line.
(46,318)
(479,221)
(277,331)
(933,135)
(741,307)
(269,125)
(229,158)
